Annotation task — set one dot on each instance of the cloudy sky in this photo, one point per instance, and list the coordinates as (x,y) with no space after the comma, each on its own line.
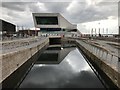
(80,12)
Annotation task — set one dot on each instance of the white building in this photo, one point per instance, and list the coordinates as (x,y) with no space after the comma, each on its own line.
(52,22)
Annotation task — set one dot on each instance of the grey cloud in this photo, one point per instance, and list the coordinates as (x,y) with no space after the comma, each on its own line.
(33,7)
(21,6)
(13,14)
(57,7)
(36,0)
(17,6)
(91,13)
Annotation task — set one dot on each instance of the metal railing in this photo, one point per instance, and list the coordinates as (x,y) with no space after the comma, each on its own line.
(108,57)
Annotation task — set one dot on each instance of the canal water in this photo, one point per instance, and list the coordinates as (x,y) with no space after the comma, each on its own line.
(61,67)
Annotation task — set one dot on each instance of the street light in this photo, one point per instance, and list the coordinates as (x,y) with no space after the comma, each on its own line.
(92,31)
(95,32)
(99,29)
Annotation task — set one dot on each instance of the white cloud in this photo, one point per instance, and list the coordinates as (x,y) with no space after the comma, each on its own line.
(90,2)
(37,7)
(93,2)
(41,6)
(73,6)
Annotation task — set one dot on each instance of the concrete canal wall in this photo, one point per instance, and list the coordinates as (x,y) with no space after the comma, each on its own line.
(18,57)
(108,63)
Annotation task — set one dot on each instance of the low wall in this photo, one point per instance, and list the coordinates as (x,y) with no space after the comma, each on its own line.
(13,60)
(107,63)
(19,43)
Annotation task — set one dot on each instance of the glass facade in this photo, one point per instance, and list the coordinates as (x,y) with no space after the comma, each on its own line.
(49,29)
(46,20)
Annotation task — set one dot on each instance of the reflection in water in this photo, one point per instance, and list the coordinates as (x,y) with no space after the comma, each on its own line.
(73,57)
(72,72)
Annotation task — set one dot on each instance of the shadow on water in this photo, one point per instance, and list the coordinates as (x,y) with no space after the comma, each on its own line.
(54,54)
(61,66)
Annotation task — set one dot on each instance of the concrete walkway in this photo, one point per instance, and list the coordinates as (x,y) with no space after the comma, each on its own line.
(20,44)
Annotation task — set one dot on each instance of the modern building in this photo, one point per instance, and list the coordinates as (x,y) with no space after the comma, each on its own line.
(52,22)
(7,28)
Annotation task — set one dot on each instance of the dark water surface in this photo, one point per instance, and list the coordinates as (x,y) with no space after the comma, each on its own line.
(71,72)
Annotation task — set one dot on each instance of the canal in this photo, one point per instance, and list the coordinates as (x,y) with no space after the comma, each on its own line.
(62,66)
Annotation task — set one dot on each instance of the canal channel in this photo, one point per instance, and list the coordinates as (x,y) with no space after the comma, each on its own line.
(62,66)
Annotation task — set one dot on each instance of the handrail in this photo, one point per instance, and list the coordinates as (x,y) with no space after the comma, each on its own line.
(102,48)
(102,53)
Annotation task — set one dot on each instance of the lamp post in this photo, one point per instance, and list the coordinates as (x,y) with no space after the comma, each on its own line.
(103,30)
(99,29)
(107,32)
(92,32)
(95,32)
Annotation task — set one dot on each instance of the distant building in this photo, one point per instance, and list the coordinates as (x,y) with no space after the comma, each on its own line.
(52,22)
(25,33)
(119,30)
(7,28)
